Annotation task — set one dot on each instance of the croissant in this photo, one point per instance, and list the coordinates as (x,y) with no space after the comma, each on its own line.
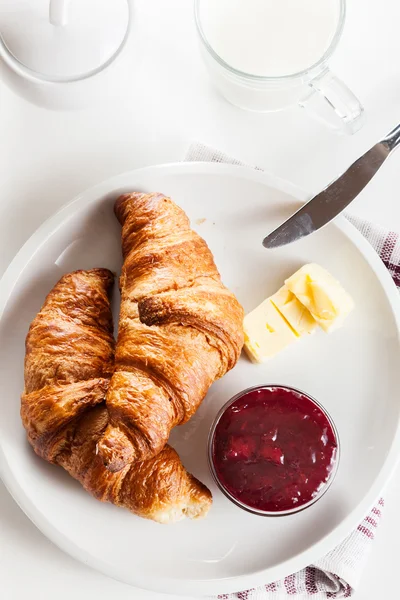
(68,365)
(180,329)
(159,489)
(69,358)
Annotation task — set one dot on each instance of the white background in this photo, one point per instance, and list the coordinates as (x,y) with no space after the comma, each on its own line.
(162,102)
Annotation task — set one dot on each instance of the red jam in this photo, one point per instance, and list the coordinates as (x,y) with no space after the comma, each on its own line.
(274,449)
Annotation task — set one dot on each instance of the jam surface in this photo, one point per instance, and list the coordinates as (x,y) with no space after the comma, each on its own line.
(274,449)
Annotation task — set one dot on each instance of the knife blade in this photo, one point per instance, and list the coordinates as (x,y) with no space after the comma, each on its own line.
(329,203)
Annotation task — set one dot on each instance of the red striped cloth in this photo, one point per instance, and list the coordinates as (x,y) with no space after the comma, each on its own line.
(337,574)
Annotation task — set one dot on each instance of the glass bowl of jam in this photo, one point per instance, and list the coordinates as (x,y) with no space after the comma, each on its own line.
(273,450)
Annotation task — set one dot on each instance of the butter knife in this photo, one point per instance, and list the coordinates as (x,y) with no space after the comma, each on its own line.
(329,203)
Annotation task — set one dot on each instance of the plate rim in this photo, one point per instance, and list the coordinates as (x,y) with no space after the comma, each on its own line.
(262,576)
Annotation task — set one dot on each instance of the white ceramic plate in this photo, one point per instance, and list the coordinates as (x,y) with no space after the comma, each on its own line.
(353,373)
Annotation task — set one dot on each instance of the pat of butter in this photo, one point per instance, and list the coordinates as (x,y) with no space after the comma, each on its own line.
(297,315)
(322,295)
(266,332)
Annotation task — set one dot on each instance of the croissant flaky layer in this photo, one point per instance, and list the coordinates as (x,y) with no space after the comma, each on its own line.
(69,357)
(180,329)
(159,489)
(68,365)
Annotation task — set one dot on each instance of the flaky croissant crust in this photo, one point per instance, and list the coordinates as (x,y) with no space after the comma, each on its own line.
(68,364)
(179,329)
(69,356)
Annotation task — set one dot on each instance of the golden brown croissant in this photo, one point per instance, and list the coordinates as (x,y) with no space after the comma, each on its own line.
(69,357)
(159,489)
(180,329)
(68,365)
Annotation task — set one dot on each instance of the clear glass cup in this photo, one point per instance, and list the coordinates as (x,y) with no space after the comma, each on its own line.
(210,451)
(316,88)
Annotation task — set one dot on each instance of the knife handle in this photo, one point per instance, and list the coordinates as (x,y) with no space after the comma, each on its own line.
(392,140)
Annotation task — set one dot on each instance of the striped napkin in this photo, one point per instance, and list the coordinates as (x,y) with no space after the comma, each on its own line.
(337,574)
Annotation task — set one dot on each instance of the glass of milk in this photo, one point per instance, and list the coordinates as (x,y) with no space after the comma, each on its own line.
(266,55)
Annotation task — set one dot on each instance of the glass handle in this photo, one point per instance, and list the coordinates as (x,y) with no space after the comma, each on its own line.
(58,12)
(330,101)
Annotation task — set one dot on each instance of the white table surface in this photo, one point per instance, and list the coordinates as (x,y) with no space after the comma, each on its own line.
(47,157)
